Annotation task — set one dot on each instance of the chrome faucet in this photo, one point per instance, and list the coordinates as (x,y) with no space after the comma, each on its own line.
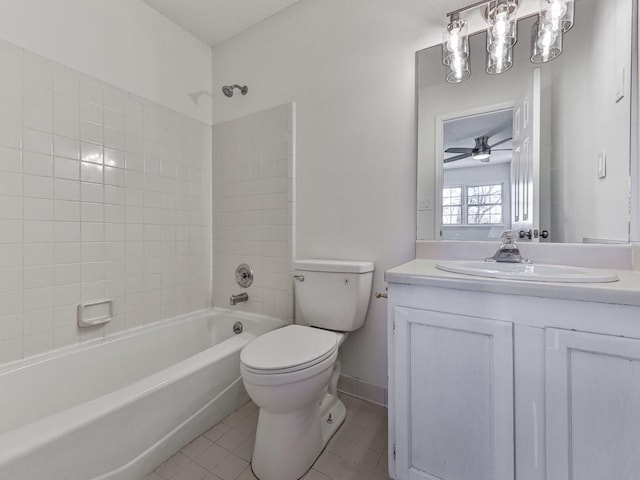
(508,252)
(240,297)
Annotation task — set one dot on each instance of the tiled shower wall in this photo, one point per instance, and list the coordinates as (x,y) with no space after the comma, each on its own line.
(102,195)
(253,209)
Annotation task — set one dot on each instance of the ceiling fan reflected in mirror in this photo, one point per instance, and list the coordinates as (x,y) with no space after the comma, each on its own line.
(481,151)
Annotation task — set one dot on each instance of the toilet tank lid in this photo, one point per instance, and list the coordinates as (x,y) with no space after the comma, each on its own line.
(338,266)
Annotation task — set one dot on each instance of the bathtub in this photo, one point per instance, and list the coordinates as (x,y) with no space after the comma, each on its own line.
(116,408)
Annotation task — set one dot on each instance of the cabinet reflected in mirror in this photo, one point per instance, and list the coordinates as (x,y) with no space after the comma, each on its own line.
(557,136)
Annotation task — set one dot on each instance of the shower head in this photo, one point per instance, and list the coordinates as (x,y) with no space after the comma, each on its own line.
(228,89)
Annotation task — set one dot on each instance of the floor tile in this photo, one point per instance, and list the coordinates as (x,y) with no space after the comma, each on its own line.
(212,457)
(215,432)
(152,476)
(193,471)
(231,468)
(196,447)
(247,475)
(315,475)
(335,467)
(358,451)
(232,439)
(170,467)
(248,425)
(245,449)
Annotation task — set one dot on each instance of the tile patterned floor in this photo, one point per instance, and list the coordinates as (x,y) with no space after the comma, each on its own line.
(358,451)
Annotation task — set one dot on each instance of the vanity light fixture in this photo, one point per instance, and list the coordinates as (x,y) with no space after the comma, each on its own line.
(554,19)
(455,50)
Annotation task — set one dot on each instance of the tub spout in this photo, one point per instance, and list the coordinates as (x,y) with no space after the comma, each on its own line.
(241,297)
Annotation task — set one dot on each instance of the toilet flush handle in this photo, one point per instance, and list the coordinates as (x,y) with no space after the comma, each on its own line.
(300,278)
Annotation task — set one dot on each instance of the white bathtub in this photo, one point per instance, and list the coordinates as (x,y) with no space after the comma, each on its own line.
(115,409)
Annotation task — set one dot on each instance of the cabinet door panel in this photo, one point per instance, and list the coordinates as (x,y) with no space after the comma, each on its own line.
(454,396)
(593,406)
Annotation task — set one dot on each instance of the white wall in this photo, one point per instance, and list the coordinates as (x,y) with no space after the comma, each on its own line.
(350,68)
(123,42)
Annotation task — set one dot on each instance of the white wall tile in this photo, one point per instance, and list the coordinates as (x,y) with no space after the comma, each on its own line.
(66,125)
(66,147)
(37,186)
(67,189)
(38,208)
(67,232)
(252,220)
(36,141)
(66,168)
(38,231)
(10,183)
(91,172)
(94,185)
(10,135)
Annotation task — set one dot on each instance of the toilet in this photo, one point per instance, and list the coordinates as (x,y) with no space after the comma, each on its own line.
(292,373)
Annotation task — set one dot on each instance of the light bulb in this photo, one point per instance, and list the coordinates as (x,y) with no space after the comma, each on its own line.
(501,28)
(556,10)
(547,37)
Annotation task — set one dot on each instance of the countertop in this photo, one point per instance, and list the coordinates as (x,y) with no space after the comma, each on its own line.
(423,272)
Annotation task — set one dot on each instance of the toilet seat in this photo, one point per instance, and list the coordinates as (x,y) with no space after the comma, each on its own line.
(288,350)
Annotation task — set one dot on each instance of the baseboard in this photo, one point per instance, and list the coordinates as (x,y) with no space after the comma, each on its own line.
(363,390)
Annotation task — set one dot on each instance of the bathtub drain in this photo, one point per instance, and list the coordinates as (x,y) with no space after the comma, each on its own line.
(237,328)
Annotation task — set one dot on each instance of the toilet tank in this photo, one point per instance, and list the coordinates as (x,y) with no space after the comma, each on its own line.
(333,294)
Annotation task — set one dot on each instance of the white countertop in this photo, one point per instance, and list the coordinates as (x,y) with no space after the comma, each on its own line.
(423,272)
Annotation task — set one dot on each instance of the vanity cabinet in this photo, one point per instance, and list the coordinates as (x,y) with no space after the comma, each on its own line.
(592,385)
(454,403)
(495,386)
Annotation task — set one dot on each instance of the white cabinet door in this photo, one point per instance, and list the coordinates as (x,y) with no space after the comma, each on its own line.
(592,385)
(453,396)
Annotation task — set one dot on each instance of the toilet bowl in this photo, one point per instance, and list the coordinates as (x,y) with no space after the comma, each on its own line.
(297,397)
(292,373)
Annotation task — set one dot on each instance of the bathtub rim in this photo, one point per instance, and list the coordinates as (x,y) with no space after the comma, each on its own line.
(16,365)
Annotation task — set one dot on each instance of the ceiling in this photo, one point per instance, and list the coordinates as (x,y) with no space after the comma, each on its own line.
(214,21)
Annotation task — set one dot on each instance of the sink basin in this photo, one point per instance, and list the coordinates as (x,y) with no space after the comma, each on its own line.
(529,272)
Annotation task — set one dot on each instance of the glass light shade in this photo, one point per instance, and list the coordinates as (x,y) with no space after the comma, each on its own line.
(558,12)
(500,59)
(567,19)
(546,41)
(502,25)
(455,42)
(458,71)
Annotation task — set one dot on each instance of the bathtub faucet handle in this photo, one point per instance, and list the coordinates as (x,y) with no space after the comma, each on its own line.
(240,297)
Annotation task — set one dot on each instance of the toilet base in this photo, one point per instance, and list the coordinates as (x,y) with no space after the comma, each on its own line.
(288,444)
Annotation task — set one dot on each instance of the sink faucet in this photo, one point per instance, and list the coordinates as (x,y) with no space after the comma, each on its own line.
(240,297)
(508,252)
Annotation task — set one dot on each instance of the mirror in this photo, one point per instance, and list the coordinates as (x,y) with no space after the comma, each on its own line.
(559,136)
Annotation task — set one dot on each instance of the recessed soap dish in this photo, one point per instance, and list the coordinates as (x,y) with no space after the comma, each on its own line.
(94,313)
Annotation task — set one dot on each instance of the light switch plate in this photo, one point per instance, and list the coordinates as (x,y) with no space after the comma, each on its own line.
(602,165)
(424,204)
